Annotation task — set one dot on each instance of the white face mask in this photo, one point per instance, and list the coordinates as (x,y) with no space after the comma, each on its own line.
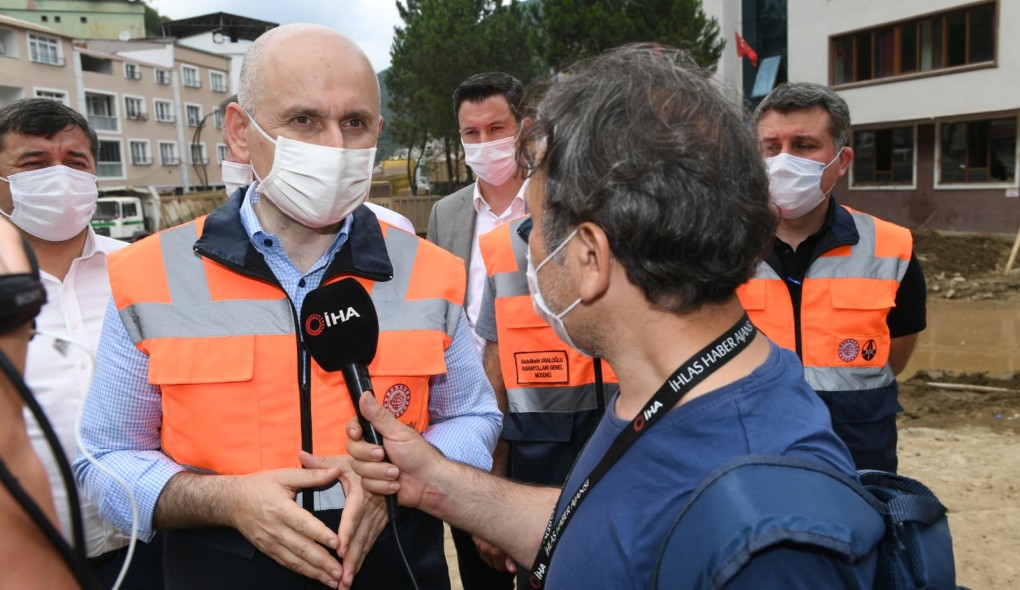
(54,203)
(555,320)
(493,161)
(236,175)
(795,184)
(316,185)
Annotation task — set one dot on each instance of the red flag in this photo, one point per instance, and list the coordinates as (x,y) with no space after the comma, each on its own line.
(743,49)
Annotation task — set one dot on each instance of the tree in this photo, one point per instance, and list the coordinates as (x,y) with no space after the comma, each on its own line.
(442,43)
(568,30)
(154,22)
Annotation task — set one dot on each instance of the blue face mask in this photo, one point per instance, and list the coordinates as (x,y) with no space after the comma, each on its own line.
(555,320)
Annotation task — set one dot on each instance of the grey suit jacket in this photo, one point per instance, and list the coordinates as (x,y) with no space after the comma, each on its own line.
(452,223)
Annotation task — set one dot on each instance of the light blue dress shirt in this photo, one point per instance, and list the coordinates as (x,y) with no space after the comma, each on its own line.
(122,416)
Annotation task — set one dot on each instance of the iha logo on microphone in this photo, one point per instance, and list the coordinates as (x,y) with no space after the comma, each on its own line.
(316,322)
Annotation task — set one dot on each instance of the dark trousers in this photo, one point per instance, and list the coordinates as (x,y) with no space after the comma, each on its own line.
(145,573)
(222,559)
(872,444)
(475,574)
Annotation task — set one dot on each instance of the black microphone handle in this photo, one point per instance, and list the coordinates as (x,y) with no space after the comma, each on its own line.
(358,382)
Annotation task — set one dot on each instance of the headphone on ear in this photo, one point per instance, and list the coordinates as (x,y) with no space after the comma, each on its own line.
(22,295)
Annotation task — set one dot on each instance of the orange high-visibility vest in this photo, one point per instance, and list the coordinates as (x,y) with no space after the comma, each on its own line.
(222,348)
(845,298)
(540,371)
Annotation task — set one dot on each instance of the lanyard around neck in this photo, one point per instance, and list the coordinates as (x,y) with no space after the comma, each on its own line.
(687,376)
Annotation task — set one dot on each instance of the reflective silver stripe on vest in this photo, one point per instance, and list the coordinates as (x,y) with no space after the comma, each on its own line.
(204,318)
(766,272)
(332,498)
(553,399)
(848,378)
(395,313)
(862,262)
(514,284)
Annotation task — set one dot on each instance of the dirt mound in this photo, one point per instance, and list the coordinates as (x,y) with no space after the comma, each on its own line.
(949,400)
(966,266)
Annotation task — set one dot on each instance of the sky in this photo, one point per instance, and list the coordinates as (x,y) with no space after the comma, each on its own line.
(369,23)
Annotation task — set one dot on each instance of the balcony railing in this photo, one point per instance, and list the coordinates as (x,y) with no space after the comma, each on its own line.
(141,161)
(46,59)
(138,116)
(171,161)
(166,118)
(110,169)
(103,122)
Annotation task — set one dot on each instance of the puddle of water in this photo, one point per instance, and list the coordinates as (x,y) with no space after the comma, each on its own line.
(968,336)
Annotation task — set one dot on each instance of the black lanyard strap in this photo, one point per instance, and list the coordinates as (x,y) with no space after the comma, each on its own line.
(694,370)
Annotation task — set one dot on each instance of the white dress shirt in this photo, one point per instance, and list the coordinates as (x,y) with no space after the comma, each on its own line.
(485,221)
(59,374)
(391,217)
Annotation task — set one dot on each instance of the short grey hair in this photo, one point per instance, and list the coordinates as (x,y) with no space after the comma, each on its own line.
(640,142)
(796,96)
(249,87)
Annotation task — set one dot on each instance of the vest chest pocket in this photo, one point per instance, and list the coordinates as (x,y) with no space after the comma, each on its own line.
(853,331)
(403,365)
(211,404)
(201,360)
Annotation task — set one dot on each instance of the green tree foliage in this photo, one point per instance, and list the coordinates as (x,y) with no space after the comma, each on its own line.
(567,30)
(153,22)
(442,43)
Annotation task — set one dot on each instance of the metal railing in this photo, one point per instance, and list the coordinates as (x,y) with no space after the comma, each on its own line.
(103,122)
(109,169)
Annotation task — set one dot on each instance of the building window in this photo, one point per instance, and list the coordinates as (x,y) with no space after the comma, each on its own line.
(949,39)
(162,77)
(44,50)
(57,95)
(198,154)
(221,152)
(101,111)
(190,75)
(132,71)
(218,118)
(140,153)
(164,111)
(84,20)
(44,18)
(168,154)
(883,157)
(110,164)
(218,81)
(134,108)
(978,151)
(194,113)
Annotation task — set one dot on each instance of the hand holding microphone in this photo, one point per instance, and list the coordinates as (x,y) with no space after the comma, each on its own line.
(341,331)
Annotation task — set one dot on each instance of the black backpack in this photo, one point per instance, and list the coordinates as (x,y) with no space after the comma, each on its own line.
(754,503)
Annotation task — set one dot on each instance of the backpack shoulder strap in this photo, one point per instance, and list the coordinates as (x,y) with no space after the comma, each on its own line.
(756,502)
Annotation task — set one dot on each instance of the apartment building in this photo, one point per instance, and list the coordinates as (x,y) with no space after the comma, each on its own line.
(82,19)
(153,104)
(934,93)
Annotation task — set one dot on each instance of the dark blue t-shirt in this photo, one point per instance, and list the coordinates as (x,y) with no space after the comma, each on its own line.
(614,538)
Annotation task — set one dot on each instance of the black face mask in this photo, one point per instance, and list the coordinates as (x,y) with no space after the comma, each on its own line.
(21,295)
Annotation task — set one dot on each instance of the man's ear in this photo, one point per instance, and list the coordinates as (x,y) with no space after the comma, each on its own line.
(846,157)
(594,258)
(236,126)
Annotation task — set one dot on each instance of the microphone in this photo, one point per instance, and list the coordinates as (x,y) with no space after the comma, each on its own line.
(341,331)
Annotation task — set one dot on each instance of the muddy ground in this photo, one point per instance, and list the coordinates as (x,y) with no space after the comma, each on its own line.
(960,430)
(963,441)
